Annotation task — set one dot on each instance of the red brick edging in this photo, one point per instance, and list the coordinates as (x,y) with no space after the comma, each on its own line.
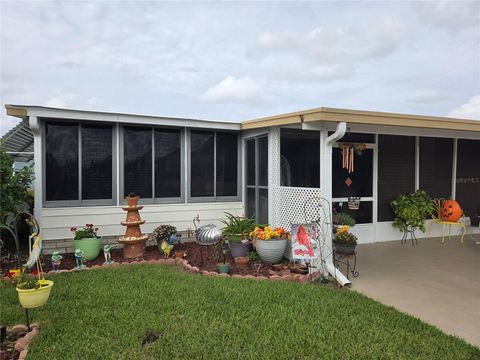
(195,270)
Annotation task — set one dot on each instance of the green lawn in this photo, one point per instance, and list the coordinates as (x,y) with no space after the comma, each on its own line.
(104,314)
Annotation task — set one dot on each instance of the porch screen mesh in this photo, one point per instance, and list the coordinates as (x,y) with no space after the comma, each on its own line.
(468,176)
(436,162)
(396,171)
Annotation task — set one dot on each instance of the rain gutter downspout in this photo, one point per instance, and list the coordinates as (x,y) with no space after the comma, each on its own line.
(327,193)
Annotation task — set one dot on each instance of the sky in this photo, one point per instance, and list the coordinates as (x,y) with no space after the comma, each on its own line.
(234,61)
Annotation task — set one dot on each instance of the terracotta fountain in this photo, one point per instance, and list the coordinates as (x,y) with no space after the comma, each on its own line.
(133,241)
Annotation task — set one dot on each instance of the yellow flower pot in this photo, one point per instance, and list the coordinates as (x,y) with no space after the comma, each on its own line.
(32,298)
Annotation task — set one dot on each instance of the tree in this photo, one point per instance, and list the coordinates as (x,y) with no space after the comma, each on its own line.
(14,185)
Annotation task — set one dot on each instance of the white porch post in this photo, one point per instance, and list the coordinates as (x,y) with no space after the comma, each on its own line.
(274,176)
(34,124)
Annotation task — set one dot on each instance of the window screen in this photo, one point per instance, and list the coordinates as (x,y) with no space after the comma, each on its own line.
(396,171)
(250,162)
(468,176)
(300,158)
(436,161)
(96,161)
(137,145)
(167,163)
(227,164)
(202,163)
(61,161)
(262,161)
(357,183)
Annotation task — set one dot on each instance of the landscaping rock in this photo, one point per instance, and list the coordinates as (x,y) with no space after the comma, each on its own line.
(21,344)
(23,354)
(18,328)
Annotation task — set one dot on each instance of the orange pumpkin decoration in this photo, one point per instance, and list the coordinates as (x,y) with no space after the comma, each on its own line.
(451,211)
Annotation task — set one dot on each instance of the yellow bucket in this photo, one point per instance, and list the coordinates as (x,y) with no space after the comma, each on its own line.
(32,298)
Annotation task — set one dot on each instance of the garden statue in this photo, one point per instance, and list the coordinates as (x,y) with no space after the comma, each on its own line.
(79,255)
(56,260)
(107,254)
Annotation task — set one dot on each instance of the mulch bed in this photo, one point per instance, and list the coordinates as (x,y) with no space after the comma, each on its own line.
(211,257)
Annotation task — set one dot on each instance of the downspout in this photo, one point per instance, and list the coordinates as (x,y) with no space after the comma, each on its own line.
(327,193)
(34,124)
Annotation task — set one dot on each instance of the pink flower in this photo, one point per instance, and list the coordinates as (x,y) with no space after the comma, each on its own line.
(73,229)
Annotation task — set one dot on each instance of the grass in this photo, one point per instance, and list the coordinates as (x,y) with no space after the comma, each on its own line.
(105,314)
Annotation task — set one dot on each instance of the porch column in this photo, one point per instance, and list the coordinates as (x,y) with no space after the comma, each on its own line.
(34,124)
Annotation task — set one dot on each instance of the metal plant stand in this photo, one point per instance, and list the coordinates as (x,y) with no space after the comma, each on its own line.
(409,230)
(345,259)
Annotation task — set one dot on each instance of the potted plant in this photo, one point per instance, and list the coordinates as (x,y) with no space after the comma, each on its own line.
(411,211)
(342,219)
(132,199)
(236,232)
(164,236)
(87,240)
(344,241)
(270,243)
(33,292)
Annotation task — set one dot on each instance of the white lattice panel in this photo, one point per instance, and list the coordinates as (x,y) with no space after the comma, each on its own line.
(274,172)
(288,204)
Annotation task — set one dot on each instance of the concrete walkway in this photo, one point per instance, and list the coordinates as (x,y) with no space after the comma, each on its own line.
(438,283)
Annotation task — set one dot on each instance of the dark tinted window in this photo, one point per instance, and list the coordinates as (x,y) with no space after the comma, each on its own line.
(61,161)
(96,161)
(357,183)
(227,164)
(396,171)
(263,161)
(167,163)
(436,162)
(202,163)
(137,145)
(468,176)
(250,162)
(300,158)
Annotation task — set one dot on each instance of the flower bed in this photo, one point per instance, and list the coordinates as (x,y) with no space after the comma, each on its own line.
(191,262)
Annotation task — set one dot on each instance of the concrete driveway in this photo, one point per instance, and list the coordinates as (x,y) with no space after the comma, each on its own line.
(438,283)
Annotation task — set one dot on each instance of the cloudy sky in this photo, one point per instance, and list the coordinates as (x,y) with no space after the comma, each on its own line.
(241,60)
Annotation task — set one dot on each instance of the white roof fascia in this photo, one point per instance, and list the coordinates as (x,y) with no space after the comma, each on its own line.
(129,119)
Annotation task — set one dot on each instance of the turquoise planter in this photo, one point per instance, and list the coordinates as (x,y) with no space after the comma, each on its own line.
(90,246)
(223,268)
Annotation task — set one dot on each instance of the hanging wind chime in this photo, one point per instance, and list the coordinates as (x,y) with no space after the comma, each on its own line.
(348,163)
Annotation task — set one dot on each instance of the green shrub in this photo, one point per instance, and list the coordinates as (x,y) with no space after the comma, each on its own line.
(237,228)
(412,210)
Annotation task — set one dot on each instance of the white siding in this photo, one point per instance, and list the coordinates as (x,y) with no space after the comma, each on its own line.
(56,222)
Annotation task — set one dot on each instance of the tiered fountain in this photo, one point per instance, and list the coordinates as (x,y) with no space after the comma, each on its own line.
(133,241)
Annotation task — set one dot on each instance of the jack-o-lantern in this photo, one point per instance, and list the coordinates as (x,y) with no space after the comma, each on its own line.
(451,211)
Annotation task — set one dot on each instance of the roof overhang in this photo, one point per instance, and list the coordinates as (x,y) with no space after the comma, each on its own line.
(364,117)
(18,142)
(24,111)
